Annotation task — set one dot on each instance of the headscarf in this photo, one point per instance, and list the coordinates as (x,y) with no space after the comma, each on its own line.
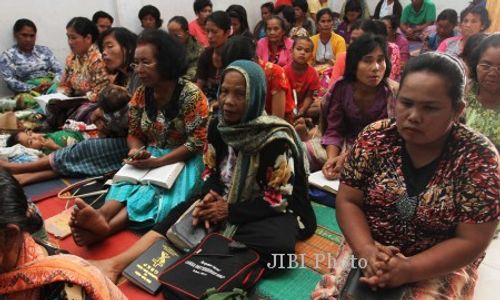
(254,132)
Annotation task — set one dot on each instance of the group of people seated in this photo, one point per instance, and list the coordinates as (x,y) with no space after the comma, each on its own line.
(413,140)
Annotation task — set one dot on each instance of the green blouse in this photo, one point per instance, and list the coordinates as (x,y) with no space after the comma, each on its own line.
(484,120)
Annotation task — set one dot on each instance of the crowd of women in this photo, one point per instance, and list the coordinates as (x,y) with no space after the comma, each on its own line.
(414,141)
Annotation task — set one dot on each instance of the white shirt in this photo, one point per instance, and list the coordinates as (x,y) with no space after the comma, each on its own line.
(386,9)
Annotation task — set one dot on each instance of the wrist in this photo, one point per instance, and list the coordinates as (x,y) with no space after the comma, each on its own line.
(365,250)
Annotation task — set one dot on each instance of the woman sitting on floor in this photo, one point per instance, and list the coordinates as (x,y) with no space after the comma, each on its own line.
(28,69)
(32,270)
(270,209)
(419,195)
(168,115)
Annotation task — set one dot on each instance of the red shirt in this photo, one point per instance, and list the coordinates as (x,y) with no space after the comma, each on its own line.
(301,83)
(276,81)
(279,3)
(198,32)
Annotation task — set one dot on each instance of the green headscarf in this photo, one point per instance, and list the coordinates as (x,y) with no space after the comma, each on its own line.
(255,131)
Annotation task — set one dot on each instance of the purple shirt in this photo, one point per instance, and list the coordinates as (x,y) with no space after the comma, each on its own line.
(404,47)
(342,31)
(343,118)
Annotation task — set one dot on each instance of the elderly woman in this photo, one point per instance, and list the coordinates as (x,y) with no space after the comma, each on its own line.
(168,116)
(263,212)
(32,270)
(276,47)
(483,110)
(27,68)
(418,198)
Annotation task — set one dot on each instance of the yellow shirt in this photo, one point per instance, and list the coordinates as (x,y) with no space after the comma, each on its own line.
(336,41)
(493,7)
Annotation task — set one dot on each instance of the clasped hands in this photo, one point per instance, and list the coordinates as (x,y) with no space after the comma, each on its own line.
(386,267)
(211,210)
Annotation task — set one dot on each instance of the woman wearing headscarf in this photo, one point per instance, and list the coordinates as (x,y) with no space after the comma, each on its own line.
(255,181)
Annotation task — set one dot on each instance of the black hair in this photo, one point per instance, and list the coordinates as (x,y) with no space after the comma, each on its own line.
(221,19)
(181,21)
(101,15)
(288,15)
(21,23)
(13,139)
(361,47)
(381,29)
(302,4)
(150,10)
(237,47)
(83,26)
(477,10)
(126,39)
(268,5)
(14,205)
(199,5)
(443,65)
(470,45)
(368,26)
(493,40)
(239,12)
(449,15)
(170,54)
(324,11)
(302,38)
(393,20)
(113,98)
(353,5)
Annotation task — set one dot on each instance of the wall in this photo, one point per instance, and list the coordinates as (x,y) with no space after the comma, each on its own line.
(52,16)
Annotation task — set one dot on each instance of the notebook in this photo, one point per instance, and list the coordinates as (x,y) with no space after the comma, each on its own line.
(164,176)
(183,234)
(318,180)
(146,268)
(44,99)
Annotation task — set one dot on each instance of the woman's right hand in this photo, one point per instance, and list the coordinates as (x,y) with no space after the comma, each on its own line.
(376,256)
(333,167)
(138,153)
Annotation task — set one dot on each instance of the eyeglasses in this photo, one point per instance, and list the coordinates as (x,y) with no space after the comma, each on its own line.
(142,64)
(487,67)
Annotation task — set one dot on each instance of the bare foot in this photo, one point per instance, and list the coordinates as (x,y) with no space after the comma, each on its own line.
(84,237)
(108,268)
(85,217)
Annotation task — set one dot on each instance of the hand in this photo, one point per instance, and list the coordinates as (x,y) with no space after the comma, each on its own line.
(395,272)
(215,211)
(211,196)
(138,154)
(333,166)
(376,256)
(148,163)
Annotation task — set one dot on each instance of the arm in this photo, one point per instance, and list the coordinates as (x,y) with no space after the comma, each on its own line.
(278,103)
(99,78)
(65,85)
(55,66)
(8,75)
(308,100)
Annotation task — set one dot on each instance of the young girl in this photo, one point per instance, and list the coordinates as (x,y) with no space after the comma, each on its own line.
(303,78)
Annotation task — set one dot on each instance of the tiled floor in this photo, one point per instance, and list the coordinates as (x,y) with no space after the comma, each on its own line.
(489,274)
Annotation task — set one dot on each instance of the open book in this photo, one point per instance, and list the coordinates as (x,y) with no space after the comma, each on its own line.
(164,176)
(318,180)
(44,99)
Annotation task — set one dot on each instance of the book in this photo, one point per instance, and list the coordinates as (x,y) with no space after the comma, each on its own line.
(357,290)
(163,176)
(43,100)
(145,269)
(318,180)
(183,234)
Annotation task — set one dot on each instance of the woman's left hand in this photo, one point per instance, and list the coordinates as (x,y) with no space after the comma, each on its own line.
(148,163)
(214,212)
(395,272)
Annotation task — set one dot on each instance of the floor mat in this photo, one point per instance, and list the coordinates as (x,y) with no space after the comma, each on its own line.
(47,189)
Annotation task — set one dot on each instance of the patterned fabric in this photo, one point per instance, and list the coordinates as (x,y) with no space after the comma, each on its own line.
(395,61)
(276,81)
(251,135)
(91,157)
(17,67)
(463,189)
(452,46)
(183,122)
(484,120)
(35,271)
(149,204)
(193,52)
(84,75)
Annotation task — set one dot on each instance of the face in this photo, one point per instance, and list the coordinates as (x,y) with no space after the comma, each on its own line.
(148,22)
(352,16)
(302,51)
(103,24)
(424,113)
(78,44)
(112,53)
(298,12)
(274,31)
(26,38)
(325,23)
(470,25)
(371,68)
(10,242)
(388,26)
(232,97)
(265,13)
(236,25)
(416,3)
(444,28)
(216,36)
(175,30)
(204,13)
(145,65)
(488,77)
(31,140)
(356,33)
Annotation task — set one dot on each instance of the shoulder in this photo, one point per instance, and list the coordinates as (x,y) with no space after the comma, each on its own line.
(189,89)
(315,38)
(429,4)
(262,42)
(473,145)
(381,135)
(9,53)
(43,49)
(138,98)
(288,43)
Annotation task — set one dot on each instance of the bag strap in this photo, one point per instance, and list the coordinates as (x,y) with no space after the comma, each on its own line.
(63,193)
